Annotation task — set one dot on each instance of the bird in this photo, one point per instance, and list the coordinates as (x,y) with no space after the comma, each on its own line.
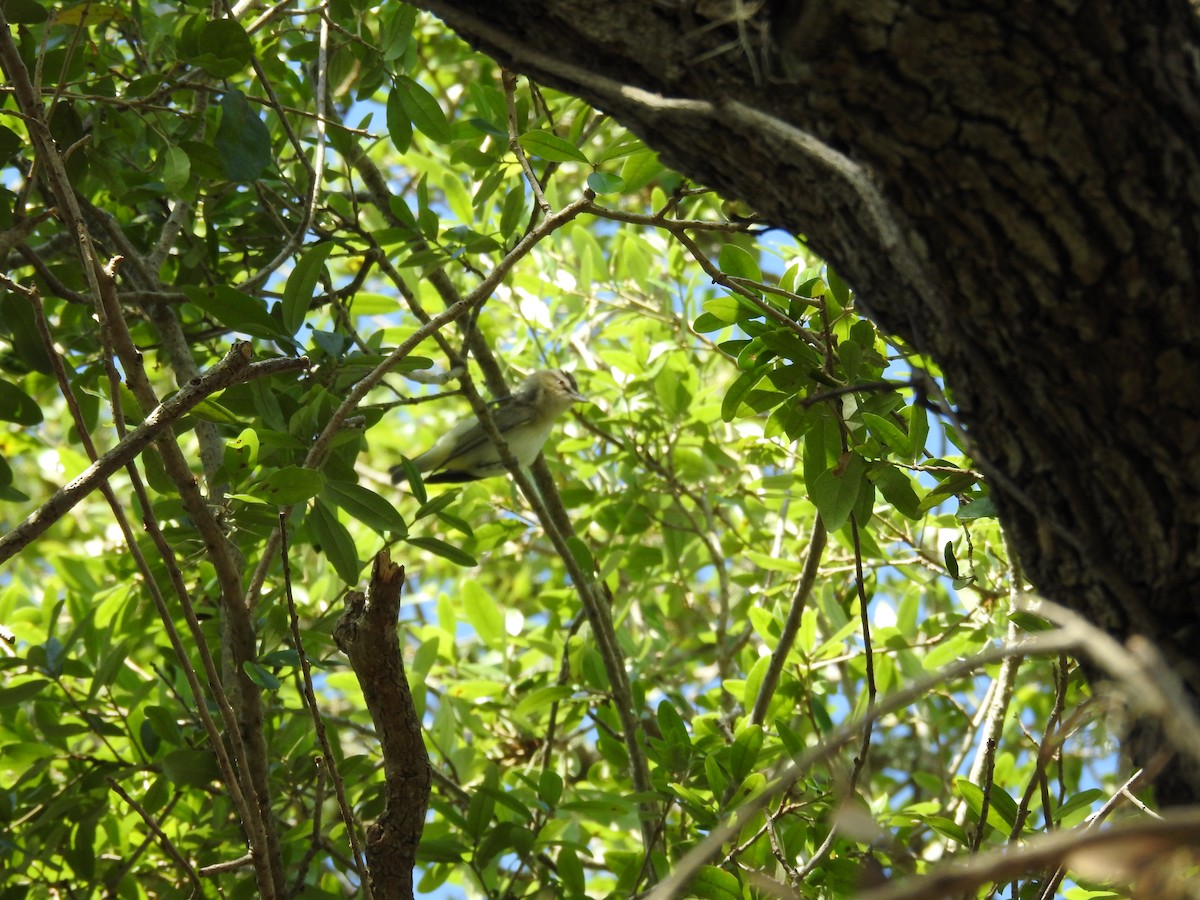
(525,421)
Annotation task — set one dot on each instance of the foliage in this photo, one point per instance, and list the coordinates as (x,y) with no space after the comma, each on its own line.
(320,181)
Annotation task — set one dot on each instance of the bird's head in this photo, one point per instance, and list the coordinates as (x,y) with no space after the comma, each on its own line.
(552,391)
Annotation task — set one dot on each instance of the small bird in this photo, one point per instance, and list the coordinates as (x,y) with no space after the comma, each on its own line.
(525,420)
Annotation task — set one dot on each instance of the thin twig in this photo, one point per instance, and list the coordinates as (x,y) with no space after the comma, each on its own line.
(675,885)
(228,770)
(791,626)
(509,80)
(1176,828)
(156,829)
(310,701)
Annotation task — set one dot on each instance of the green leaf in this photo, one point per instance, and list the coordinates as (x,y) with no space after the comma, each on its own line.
(1081,801)
(224,48)
(484,614)
(550,787)
(712,883)
(399,125)
(396,30)
(739,263)
(1030,622)
(604,183)
(415,482)
(888,432)
(706,322)
(774,563)
(918,431)
(897,489)
(437,504)
(288,486)
(482,806)
(513,211)
(983,508)
(235,310)
(747,746)
(17,406)
(754,680)
(177,170)
(335,542)
(835,492)
(211,411)
(549,146)
(17,314)
(365,506)
(241,454)
(737,392)
(422,110)
(947,828)
(671,725)
(752,785)
(1002,810)
(162,723)
(298,292)
(639,169)
(718,782)
(191,768)
(958,646)
(261,676)
(447,551)
(725,309)
(26,690)
(951,562)
(110,667)
(570,870)
(242,140)
(839,288)
(24,12)
(542,698)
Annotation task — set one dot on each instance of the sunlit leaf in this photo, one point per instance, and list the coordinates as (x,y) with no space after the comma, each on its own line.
(549,146)
(422,110)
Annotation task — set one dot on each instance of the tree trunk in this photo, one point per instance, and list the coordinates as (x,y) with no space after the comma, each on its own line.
(1010,187)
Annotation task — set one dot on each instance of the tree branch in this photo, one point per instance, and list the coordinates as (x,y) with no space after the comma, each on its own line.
(366,633)
(234,368)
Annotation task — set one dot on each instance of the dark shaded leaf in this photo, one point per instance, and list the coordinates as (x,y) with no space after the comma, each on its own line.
(335,542)
(447,551)
(242,140)
(17,406)
(224,48)
(298,292)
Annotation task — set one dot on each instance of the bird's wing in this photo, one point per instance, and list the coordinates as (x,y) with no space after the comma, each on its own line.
(445,445)
(508,414)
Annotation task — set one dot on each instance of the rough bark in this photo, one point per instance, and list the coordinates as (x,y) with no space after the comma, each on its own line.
(1012,187)
(366,633)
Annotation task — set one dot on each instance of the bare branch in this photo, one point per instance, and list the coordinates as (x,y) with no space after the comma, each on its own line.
(791,627)
(366,632)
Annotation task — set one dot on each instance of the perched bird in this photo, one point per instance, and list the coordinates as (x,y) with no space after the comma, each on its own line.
(524,420)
